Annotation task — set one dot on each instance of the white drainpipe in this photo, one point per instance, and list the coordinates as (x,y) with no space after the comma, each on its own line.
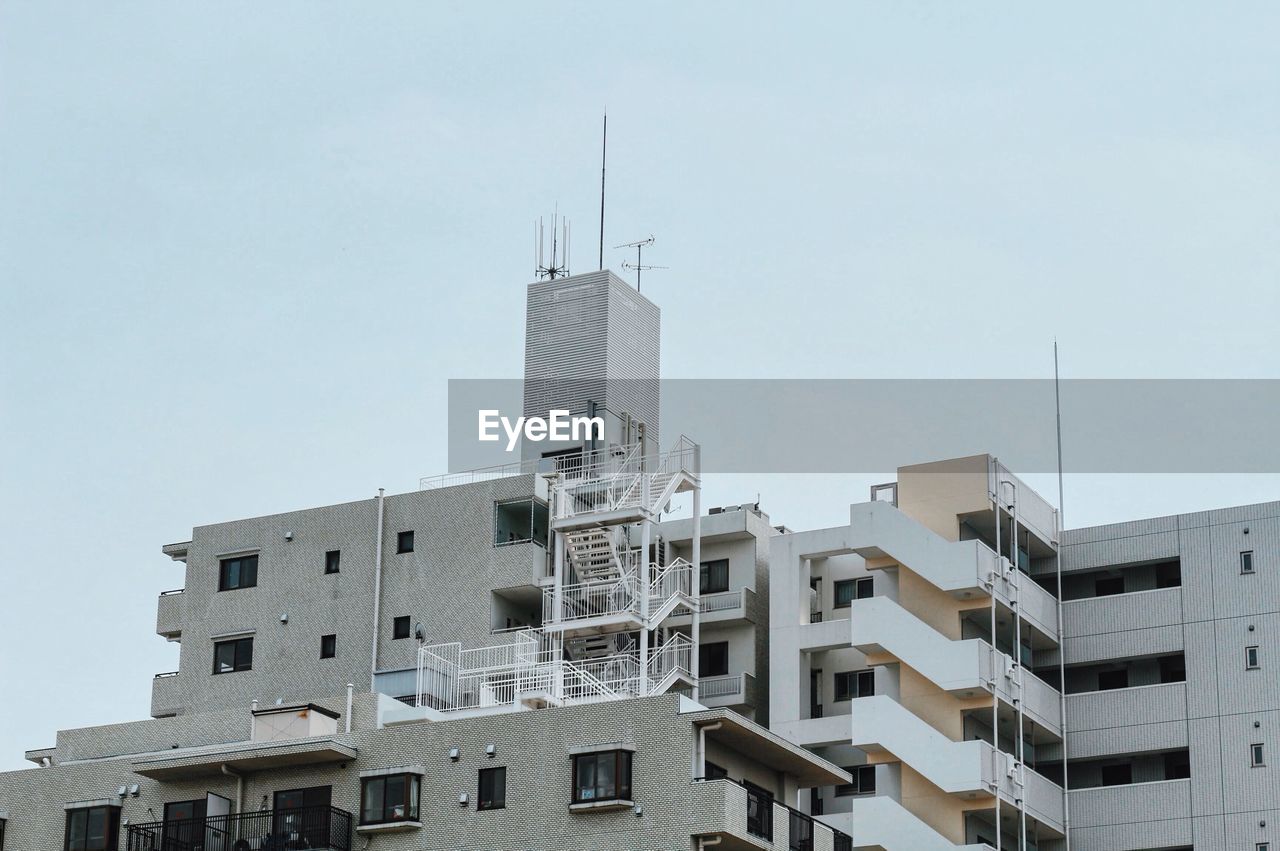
(701,756)
(239,776)
(377,594)
(351,688)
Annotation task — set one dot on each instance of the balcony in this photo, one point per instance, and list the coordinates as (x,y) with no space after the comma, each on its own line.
(1137,610)
(1140,815)
(1097,710)
(733,690)
(305,827)
(722,607)
(744,817)
(169,614)
(166,695)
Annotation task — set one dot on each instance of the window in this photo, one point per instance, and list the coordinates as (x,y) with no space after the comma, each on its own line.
(493,789)
(713,576)
(238,572)
(1251,658)
(713,659)
(404,542)
(390,798)
(864,781)
(1262,846)
(800,832)
(1117,775)
(328,646)
(400,627)
(759,811)
(1256,756)
(1108,586)
(851,684)
(848,590)
(332,560)
(714,772)
(93,829)
(1108,680)
(1246,562)
(234,655)
(520,521)
(603,776)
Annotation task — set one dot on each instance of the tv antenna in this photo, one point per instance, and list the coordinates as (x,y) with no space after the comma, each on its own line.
(558,265)
(639,266)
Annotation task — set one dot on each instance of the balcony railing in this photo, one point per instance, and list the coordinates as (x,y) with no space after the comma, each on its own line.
(267,830)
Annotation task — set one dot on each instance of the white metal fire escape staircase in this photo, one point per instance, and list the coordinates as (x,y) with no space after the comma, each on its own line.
(608,598)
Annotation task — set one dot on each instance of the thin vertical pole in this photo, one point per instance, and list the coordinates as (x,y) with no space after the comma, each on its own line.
(604,147)
(1062,656)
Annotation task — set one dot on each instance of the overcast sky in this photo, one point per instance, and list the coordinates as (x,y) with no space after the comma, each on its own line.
(242,249)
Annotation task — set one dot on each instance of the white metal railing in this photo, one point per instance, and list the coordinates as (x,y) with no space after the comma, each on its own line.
(674,656)
(593,599)
(722,601)
(610,479)
(674,580)
(720,686)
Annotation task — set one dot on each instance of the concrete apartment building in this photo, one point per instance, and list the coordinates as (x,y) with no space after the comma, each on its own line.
(538,656)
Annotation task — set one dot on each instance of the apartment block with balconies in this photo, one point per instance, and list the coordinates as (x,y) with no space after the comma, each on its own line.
(906,638)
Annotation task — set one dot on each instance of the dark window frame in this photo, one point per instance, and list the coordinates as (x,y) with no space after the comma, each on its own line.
(705,670)
(1257,755)
(111,830)
(853,682)
(864,782)
(404,542)
(411,799)
(861,588)
(225,565)
(621,780)
(397,632)
(711,571)
(237,664)
(1252,658)
(1247,566)
(496,796)
(332,562)
(329,646)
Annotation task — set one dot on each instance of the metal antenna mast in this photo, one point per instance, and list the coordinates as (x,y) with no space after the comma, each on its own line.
(558,267)
(604,149)
(639,265)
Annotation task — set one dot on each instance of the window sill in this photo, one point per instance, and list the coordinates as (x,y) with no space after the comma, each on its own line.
(389,827)
(611,804)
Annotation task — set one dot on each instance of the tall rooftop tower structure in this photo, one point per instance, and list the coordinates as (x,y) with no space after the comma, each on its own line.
(593,348)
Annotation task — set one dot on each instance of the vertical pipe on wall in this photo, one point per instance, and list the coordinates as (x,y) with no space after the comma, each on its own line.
(995,654)
(377,591)
(695,590)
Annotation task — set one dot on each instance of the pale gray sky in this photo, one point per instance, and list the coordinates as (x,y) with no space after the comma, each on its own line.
(243,246)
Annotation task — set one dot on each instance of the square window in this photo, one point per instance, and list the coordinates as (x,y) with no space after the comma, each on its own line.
(1251,661)
(493,789)
(848,590)
(1169,574)
(238,572)
(1177,766)
(1262,846)
(1246,562)
(400,627)
(864,781)
(390,798)
(328,646)
(234,655)
(92,829)
(332,560)
(404,542)
(1256,756)
(713,659)
(713,577)
(603,776)
(854,684)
